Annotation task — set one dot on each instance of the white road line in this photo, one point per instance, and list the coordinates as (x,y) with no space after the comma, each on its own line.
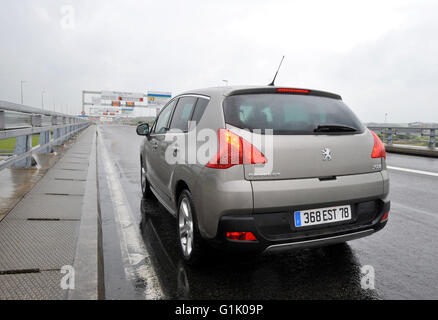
(136,262)
(426,173)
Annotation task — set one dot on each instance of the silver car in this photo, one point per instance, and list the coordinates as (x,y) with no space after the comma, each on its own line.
(290,168)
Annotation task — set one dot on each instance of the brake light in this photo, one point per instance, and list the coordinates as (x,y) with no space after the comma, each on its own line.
(385,217)
(378,148)
(234,150)
(241,236)
(292,90)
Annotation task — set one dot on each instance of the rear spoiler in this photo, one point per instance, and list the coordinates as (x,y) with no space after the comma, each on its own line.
(282,90)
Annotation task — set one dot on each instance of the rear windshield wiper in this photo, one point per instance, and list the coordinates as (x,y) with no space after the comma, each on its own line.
(333,128)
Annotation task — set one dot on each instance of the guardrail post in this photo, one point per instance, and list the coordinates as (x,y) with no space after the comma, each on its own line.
(56,132)
(44,139)
(37,121)
(61,131)
(65,129)
(432,138)
(389,136)
(23,144)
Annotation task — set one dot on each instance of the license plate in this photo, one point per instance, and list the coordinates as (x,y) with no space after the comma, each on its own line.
(313,217)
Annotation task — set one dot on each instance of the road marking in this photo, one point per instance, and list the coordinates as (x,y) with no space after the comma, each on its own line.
(137,264)
(426,173)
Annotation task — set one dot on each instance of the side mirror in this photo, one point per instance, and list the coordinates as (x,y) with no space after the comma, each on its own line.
(143,129)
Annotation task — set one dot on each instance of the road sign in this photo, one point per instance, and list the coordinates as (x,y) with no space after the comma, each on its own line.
(122,96)
(158,98)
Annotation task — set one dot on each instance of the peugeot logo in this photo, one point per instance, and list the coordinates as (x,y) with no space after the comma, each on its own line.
(326,154)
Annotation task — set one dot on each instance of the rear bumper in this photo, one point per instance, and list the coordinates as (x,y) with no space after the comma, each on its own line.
(319,242)
(275,232)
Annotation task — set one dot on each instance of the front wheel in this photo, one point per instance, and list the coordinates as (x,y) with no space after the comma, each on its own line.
(191,244)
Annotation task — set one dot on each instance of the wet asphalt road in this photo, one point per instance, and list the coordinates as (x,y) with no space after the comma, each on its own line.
(404,254)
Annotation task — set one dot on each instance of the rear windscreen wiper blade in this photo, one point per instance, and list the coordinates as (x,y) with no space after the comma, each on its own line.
(333,128)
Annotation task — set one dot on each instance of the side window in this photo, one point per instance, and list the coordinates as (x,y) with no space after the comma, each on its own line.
(183,113)
(199,109)
(163,118)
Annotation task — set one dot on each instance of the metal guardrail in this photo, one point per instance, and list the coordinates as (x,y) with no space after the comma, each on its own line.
(407,135)
(22,122)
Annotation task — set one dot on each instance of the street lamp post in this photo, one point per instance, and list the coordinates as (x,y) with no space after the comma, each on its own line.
(42,99)
(21,83)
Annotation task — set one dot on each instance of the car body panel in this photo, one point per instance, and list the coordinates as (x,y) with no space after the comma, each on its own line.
(302,156)
(221,192)
(272,196)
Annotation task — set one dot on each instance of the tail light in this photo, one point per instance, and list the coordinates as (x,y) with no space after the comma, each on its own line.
(241,236)
(385,217)
(379,148)
(290,90)
(234,150)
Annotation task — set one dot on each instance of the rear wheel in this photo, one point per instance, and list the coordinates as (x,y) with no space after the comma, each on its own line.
(145,188)
(191,244)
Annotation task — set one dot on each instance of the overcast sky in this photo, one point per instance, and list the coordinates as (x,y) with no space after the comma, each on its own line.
(381,56)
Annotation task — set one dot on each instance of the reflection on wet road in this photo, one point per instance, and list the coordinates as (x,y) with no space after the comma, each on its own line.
(404,254)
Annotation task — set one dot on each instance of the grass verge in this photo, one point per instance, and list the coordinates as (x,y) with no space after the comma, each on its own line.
(9,144)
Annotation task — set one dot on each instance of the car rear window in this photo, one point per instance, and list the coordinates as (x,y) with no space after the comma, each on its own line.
(289,113)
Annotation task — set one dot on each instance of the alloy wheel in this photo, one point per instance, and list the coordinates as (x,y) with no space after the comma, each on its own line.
(185,223)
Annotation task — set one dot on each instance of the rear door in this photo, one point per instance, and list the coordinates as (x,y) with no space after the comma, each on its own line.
(301,136)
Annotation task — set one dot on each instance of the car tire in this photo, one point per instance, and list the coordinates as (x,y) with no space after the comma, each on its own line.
(192,246)
(145,187)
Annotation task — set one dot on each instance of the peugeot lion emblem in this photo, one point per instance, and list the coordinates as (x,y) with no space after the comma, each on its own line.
(326,154)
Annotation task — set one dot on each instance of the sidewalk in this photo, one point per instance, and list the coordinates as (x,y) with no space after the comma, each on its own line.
(39,236)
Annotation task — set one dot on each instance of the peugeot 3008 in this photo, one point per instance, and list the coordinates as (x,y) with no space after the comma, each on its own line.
(326,181)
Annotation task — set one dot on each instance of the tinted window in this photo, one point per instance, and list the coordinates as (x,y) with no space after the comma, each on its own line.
(199,109)
(183,113)
(163,118)
(288,114)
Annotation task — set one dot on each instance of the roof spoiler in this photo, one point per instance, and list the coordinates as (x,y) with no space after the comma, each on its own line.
(278,90)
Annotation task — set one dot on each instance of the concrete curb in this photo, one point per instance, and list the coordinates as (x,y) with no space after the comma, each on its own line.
(87,258)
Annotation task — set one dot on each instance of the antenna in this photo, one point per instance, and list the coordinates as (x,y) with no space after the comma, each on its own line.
(273,80)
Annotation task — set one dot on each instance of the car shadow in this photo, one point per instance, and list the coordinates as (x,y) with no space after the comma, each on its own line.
(322,273)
